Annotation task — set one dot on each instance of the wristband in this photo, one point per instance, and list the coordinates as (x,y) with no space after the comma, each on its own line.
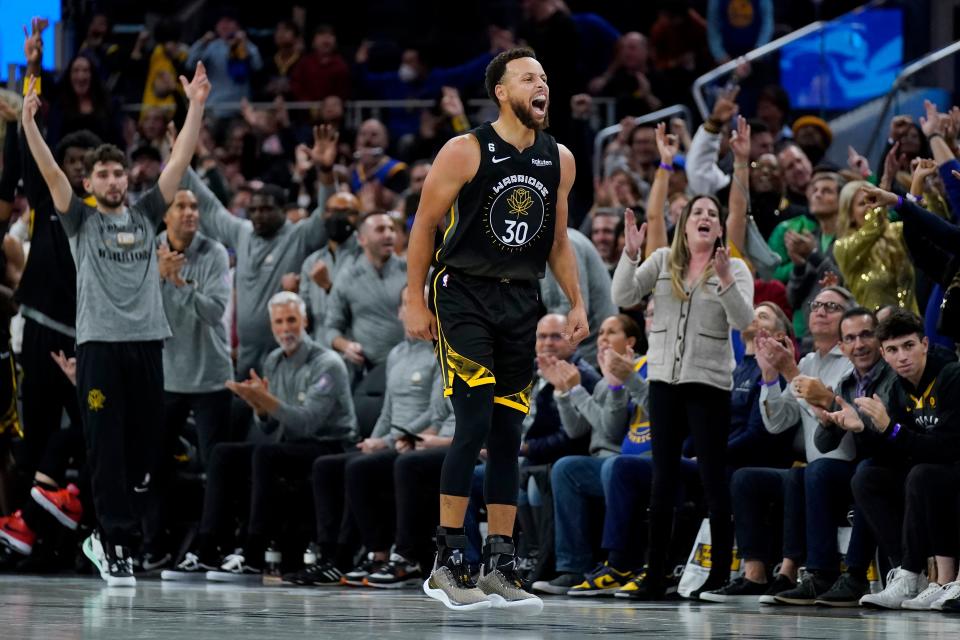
(666,167)
(712,126)
(899,202)
(936,135)
(325,168)
(615,387)
(771,383)
(894,431)
(741,165)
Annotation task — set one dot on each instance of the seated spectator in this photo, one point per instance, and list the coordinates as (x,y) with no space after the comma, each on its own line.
(305,412)
(870,252)
(909,493)
(267,247)
(361,321)
(871,375)
(366,473)
(320,269)
(545,441)
(754,489)
(639,158)
(577,479)
(594,288)
(231,60)
(322,71)
(80,101)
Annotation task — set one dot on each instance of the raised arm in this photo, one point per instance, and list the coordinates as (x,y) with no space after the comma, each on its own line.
(740,189)
(668,145)
(456,164)
(196,91)
(562,260)
(56,179)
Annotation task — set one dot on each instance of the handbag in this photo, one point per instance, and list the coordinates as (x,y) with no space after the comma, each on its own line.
(764,259)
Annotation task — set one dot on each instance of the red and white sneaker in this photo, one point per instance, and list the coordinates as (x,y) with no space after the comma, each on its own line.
(15,532)
(62,504)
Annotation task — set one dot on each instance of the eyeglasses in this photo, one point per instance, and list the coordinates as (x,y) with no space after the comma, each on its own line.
(863,336)
(829,307)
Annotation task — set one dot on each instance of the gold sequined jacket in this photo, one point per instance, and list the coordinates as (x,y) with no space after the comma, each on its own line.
(871,279)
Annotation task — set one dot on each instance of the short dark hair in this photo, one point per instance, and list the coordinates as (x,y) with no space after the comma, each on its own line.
(757,126)
(900,323)
(498,66)
(278,194)
(324,29)
(857,312)
(103,153)
(82,139)
(290,25)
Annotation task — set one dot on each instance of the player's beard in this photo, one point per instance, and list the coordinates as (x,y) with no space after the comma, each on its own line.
(112,201)
(525,116)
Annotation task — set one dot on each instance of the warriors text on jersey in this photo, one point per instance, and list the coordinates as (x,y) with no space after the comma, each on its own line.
(502,223)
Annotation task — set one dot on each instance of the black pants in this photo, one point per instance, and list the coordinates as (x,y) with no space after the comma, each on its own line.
(120,390)
(211,414)
(911,511)
(46,392)
(239,471)
(416,477)
(758,495)
(370,496)
(335,523)
(677,411)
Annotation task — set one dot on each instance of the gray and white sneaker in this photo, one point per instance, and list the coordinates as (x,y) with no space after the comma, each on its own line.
(190,569)
(235,569)
(451,584)
(950,591)
(924,600)
(113,563)
(504,590)
(901,585)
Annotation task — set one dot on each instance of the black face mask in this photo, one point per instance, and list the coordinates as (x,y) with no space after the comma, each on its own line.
(338,226)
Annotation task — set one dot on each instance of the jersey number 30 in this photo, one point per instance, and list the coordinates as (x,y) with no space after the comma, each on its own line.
(516,232)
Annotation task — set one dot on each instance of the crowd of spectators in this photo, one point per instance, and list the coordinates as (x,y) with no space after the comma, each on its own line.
(289,381)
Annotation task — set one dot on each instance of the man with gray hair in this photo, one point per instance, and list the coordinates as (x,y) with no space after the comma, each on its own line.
(303,405)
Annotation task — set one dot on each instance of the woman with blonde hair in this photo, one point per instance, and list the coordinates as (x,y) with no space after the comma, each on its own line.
(871,253)
(700,293)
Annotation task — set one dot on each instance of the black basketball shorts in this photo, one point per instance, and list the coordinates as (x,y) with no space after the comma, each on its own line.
(487,333)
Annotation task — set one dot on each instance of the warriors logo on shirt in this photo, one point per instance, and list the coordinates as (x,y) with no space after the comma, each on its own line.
(517,211)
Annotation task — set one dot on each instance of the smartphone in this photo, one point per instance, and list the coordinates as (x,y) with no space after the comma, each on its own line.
(409,435)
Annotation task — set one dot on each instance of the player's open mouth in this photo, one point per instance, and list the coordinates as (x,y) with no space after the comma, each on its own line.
(539,105)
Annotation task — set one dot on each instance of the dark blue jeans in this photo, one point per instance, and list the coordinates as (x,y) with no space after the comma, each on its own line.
(576,479)
(827,488)
(754,491)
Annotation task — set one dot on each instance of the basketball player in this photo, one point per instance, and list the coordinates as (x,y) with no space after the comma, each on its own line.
(505,185)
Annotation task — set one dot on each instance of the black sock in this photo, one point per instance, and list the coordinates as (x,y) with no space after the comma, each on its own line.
(207,550)
(498,553)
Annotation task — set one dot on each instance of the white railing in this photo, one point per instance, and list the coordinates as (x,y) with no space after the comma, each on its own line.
(900,83)
(601,138)
(699,95)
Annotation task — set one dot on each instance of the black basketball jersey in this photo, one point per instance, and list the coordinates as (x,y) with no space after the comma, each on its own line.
(502,223)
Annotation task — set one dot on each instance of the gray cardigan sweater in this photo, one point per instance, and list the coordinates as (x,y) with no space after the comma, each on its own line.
(690,339)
